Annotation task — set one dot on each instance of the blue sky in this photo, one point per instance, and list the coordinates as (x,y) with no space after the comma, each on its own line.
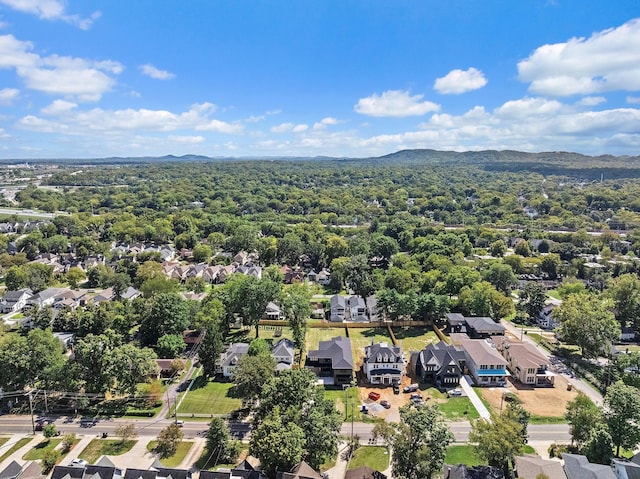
(86,79)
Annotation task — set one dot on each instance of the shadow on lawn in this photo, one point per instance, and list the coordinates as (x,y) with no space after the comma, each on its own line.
(414,332)
(201,382)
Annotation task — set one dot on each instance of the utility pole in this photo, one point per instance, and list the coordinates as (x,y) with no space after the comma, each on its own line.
(33,424)
(46,404)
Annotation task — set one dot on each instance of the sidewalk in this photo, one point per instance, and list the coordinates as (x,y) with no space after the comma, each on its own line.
(199,443)
(473,397)
(17,455)
(138,455)
(76,450)
(340,469)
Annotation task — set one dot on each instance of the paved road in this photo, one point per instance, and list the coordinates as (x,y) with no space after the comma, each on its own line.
(35,214)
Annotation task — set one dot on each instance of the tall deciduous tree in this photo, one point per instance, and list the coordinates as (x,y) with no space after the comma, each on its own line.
(501,276)
(297,309)
(251,373)
(167,314)
(622,415)
(531,300)
(599,445)
(625,292)
(168,440)
(588,322)
(497,440)
(420,442)
(582,415)
(210,349)
(220,446)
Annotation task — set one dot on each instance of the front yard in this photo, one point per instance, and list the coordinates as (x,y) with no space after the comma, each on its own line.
(209,397)
(105,447)
(181,452)
(376,457)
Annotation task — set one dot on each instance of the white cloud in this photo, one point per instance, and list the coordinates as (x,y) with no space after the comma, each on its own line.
(322,124)
(606,61)
(69,120)
(395,103)
(75,77)
(156,73)
(51,10)
(634,100)
(186,139)
(288,127)
(8,95)
(591,100)
(528,107)
(460,81)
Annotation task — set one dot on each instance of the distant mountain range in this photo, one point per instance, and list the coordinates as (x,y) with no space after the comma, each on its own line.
(552,162)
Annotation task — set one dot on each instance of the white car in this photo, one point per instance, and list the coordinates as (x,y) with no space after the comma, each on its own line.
(454,392)
(78,463)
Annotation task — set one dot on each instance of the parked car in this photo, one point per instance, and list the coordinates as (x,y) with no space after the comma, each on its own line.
(411,388)
(396,388)
(78,463)
(385,404)
(374,396)
(416,396)
(454,392)
(179,423)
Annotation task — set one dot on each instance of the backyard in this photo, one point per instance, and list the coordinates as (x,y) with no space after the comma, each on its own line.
(414,338)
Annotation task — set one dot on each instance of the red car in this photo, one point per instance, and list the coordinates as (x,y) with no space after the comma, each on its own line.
(374,396)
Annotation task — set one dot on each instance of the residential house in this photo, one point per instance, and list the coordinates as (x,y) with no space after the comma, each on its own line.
(545,319)
(250,270)
(164,368)
(483,327)
(526,363)
(324,277)
(441,364)
(383,364)
(301,471)
(67,339)
(45,298)
(273,311)
(624,469)
(357,309)
(372,307)
(627,334)
(462,471)
(338,308)
(30,470)
(283,352)
(241,258)
(484,363)
(312,276)
(106,295)
(131,293)
(332,362)
(455,323)
(292,275)
(531,466)
(14,301)
(577,466)
(364,472)
(103,469)
(229,359)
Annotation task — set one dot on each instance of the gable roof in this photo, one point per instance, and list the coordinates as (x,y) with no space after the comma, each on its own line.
(337,349)
(301,471)
(481,353)
(12,471)
(364,472)
(482,324)
(383,352)
(63,471)
(530,465)
(138,474)
(577,466)
(439,355)
(234,353)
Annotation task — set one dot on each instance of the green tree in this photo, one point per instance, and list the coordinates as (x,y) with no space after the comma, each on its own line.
(251,373)
(587,321)
(202,253)
(49,431)
(622,415)
(74,276)
(168,441)
(598,445)
(220,446)
(420,442)
(501,276)
(482,299)
(497,440)
(15,278)
(279,445)
(68,440)
(170,345)
(129,366)
(582,415)
(550,264)
(498,248)
(522,248)
(167,314)
(49,460)
(625,292)
(531,300)
(296,306)
(210,349)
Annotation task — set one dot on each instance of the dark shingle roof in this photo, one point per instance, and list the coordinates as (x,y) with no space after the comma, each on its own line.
(338,349)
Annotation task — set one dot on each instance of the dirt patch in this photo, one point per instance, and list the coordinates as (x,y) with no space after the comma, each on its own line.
(550,402)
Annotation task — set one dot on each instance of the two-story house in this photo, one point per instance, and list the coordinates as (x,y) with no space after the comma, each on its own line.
(283,352)
(332,362)
(484,363)
(526,363)
(383,364)
(338,308)
(357,309)
(14,301)
(440,364)
(230,358)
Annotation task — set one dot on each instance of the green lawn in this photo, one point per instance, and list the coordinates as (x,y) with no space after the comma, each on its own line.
(375,457)
(208,397)
(360,338)
(3,440)
(38,452)
(266,332)
(315,335)
(458,409)
(21,443)
(178,457)
(414,338)
(459,454)
(338,398)
(105,447)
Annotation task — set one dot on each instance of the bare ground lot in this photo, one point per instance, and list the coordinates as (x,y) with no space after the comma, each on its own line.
(547,402)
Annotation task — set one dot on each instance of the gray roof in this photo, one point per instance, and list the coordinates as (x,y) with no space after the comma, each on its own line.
(577,466)
(482,324)
(138,474)
(234,353)
(383,352)
(631,468)
(61,471)
(14,296)
(338,301)
(455,319)
(439,355)
(11,471)
(338,349)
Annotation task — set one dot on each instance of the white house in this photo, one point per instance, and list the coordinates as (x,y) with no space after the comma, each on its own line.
(338,308)
(357,309)
(229,359)
(14,301)
(383,364)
